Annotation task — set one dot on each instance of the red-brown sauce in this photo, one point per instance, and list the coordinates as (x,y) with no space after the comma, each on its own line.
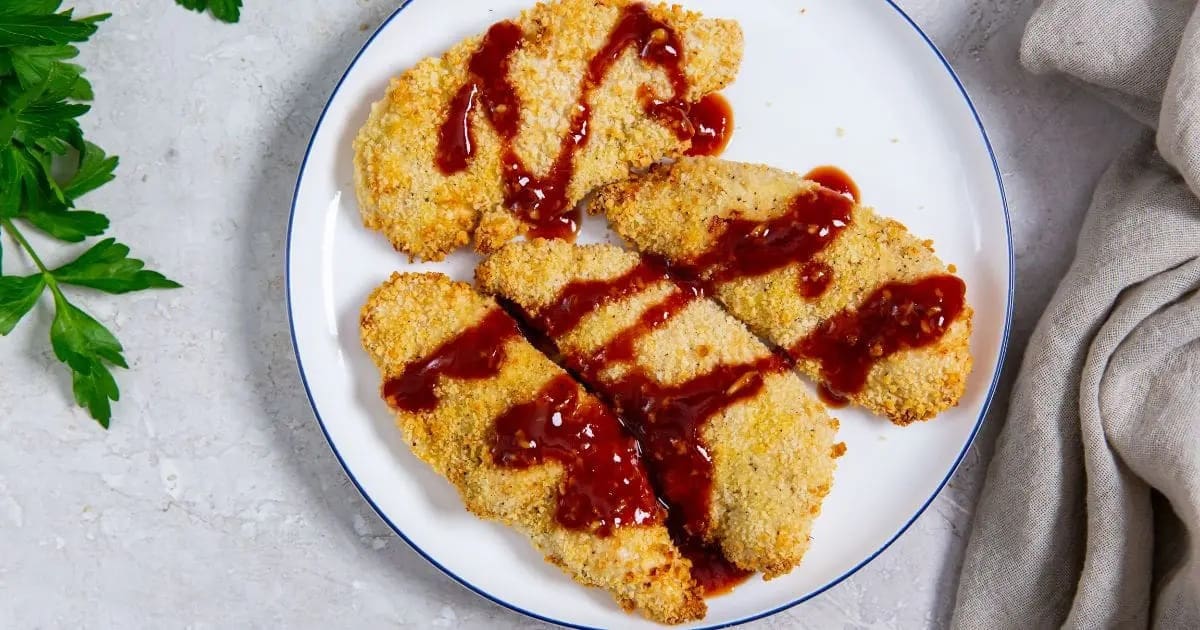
(488,88)
(748,248)
(814,279)
(605,485)
(456,139)
(835,178)
(542,200)
(832,400)
(712,118)
(576,300)
(668,420)
(711,570)
(896,316)
(623,347)
(657,44)
(476,353)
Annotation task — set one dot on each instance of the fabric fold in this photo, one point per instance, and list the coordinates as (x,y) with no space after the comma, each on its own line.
(1090,511)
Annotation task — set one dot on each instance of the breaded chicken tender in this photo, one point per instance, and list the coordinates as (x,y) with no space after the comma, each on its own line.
(772,451)
(404,187)
(413,315)
(679,212)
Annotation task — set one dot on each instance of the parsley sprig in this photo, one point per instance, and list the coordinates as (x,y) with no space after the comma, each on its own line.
(224,10)
(46,165)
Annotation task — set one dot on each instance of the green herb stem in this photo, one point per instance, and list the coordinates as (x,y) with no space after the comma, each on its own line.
(20,238)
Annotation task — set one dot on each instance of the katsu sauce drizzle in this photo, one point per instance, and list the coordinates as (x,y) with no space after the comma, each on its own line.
(668,420)
(712,117)
(604,485)
(542,201)
(896,316)
(474,354)
(712,571)
(748,248)
(835,179)
(581,297)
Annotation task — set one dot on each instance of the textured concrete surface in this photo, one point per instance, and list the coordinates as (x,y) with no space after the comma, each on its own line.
(214,501)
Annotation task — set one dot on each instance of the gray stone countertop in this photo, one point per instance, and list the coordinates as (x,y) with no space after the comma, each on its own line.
(214,501)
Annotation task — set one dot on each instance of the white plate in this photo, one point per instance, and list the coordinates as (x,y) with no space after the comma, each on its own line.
(853,83)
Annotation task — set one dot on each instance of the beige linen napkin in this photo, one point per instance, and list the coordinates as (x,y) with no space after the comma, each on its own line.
(1090,515)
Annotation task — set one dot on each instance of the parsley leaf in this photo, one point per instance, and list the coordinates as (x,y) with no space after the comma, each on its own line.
(224,10)
(71,226)
(51,213)
(40,94)
(50,125)
(39,117)
(32,29)
(15,177)
(18,294)
(86,346)
(32,64)
(95,170)
(108,267)
(30,7)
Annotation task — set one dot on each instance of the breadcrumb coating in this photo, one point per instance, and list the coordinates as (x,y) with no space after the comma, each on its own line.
(426,214)
(773,453)
(671,211)
(410,316)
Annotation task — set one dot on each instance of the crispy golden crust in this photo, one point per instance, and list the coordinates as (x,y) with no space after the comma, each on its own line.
(773,453)
(408,317)
(669,212)
(426,214)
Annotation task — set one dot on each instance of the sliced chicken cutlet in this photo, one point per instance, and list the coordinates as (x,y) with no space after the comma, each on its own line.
(861,305)
(507,132)
(504,425)
(738,448)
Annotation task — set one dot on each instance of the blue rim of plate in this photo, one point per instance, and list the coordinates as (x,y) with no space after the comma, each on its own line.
(987,403)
